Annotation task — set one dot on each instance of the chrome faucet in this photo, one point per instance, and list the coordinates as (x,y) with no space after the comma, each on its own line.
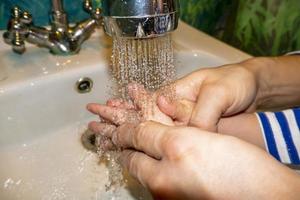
(135,19)
(60,39)
(140,18)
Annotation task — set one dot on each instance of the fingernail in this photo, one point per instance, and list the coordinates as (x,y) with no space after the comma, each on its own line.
(88,107)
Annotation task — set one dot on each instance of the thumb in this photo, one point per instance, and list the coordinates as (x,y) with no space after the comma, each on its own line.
(188,86)
(179,110)
(212,102)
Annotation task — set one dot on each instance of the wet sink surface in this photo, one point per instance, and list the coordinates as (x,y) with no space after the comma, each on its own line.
(42,116)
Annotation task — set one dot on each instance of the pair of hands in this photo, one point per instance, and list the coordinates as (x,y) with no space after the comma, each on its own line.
(180,162)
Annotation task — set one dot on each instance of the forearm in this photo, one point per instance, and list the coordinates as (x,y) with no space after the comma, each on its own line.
(243,126)
(278,80)
(268,179)
(259,176)
(272,181)
(275,132)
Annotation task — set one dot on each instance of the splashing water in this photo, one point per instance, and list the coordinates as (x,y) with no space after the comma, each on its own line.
(148,62)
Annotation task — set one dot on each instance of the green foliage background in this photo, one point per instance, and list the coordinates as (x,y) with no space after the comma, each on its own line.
(259,27)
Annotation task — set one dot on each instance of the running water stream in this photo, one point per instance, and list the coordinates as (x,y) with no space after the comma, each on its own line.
(148,62)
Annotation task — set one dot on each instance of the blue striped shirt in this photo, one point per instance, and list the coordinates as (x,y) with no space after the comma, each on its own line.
(281,132)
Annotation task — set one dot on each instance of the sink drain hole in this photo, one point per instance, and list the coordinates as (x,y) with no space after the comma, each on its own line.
(88,140)
(84,85)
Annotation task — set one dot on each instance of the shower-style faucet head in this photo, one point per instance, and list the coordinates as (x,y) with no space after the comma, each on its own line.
(140,18)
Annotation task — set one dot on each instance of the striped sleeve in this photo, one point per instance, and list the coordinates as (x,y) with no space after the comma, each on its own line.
(281,132)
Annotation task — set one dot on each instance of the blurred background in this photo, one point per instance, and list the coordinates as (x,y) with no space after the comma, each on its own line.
(258,27)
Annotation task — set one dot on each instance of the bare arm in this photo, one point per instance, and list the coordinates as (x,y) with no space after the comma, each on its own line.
(278,81)
(189,163)
(243,126)
(257,83)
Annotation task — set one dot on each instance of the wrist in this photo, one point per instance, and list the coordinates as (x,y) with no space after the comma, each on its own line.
(261,70)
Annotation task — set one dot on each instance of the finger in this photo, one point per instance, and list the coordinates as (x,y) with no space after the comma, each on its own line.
(104,144)
(179,110)
(188,86)
(119,103)
(139,96)
(147,105)
(139,165)
(211,104)
(114,115)
(102,128)
(108,145)
(146,137)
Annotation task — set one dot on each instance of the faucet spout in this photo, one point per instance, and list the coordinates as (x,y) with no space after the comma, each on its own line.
(57,6)
(59,17)
(44,38)
(140,18)
(121,18)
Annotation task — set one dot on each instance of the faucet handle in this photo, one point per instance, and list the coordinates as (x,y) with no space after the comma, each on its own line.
(88,6)
(23,17)
(17,29)
(26,18)
(16,40)
(95,13)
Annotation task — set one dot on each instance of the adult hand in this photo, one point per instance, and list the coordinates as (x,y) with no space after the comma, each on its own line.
(262,83)
(187,163)
(216,93)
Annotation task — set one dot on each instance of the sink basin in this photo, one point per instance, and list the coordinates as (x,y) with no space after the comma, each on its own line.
(42,116)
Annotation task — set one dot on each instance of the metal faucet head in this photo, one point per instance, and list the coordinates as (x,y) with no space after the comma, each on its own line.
(140,18)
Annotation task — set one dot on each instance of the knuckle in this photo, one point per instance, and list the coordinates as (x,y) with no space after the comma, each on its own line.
(204,124)
(140,132)
(131,162)
(199,73)
(220,90)
(173,144)
(157,183)
(120,134)
(143,126)
(136,139)
(115,138)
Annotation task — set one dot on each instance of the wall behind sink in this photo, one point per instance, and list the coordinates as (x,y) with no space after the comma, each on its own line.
(259,27)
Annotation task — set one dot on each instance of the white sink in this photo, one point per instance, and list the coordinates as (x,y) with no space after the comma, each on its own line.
(42,116)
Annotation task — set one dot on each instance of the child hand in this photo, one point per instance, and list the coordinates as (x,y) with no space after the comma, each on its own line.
(117,112)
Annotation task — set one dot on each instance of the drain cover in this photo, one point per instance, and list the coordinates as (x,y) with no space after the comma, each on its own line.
(84,85)
(88,140)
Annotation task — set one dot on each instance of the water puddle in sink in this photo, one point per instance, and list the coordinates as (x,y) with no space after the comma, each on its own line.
(56,167)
